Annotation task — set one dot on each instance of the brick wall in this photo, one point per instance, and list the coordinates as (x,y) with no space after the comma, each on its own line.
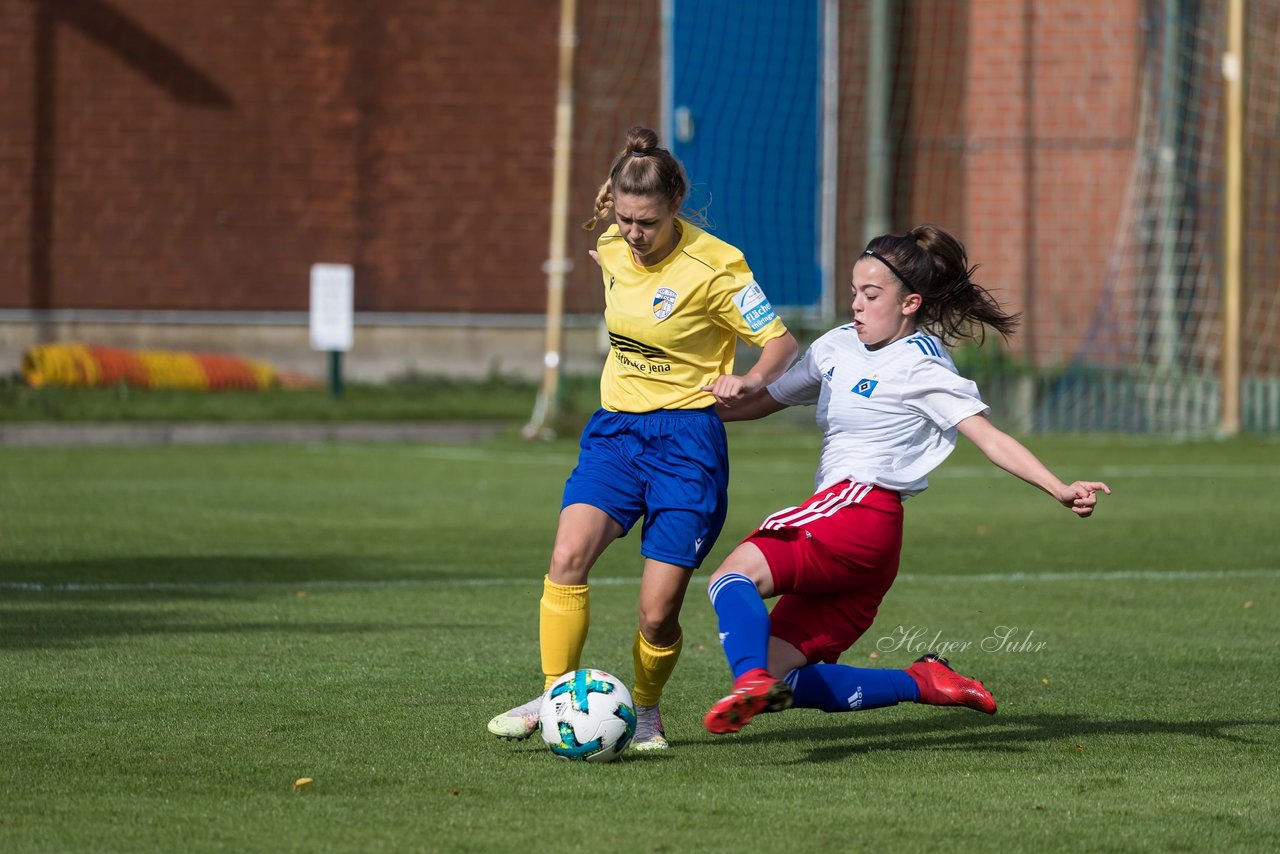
(202,154)
(1052,96)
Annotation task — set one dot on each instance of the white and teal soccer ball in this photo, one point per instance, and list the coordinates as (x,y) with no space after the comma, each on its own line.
(587,715)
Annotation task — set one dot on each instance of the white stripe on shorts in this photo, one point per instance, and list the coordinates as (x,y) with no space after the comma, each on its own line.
(798,517)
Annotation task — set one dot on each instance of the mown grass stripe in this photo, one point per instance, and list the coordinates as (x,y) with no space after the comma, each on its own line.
(376,583)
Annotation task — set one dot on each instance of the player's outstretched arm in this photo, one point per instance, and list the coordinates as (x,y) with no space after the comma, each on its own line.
(751,407)
(1011,455)
(775,357)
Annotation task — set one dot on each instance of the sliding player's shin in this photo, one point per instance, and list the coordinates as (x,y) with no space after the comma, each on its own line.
(841,688)
(744,622)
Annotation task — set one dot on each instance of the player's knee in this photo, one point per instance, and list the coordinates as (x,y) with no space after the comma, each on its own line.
(716,576)
(569,565)
(659,624)
(761,578)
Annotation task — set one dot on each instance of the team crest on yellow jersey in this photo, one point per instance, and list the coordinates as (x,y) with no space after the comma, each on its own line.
(664,302)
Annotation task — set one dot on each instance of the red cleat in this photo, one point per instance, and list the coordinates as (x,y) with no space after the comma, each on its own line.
(754,692)
(941,686)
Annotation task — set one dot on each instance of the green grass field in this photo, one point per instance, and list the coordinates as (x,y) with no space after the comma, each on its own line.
(184,631)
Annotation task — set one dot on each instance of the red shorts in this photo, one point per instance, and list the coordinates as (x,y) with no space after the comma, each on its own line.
(833,558)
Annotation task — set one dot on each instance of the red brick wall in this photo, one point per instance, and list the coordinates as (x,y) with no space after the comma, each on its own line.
(202,154)
(1051,124)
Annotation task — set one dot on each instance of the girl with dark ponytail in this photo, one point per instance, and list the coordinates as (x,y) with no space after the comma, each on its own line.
(890,405)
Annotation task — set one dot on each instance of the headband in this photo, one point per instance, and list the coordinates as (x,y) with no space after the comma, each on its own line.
(892,269)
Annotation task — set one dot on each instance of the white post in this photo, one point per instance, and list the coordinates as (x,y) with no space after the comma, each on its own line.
(332,316)
(1233,71)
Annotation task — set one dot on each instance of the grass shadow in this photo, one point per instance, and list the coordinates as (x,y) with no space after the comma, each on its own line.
(206,577)
(68,603)
(46,626)
(1008,734)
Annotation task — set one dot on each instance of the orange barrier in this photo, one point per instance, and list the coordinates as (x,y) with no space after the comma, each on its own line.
(90,365)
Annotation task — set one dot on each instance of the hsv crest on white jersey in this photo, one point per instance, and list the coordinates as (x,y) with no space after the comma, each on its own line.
(888,416)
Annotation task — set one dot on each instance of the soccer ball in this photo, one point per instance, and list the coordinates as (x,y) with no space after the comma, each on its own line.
(587,715)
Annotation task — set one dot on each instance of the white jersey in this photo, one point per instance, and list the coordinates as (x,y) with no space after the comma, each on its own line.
(888,416)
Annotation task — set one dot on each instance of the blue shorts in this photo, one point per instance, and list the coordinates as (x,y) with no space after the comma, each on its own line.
(670,466)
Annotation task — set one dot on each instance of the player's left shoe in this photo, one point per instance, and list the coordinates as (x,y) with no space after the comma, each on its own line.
(650,734)
(518,723)
(754,692)
(941,686)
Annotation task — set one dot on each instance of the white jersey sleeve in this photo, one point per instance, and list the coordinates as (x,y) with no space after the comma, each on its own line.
(938,393)
(800,385)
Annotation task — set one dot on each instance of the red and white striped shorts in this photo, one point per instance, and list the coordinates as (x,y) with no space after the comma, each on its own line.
(833,558)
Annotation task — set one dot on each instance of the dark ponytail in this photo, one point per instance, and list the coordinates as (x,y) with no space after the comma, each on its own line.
(932,263)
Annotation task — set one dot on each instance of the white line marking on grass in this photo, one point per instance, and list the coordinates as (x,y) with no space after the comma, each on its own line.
(946,472)
(1115,575)
(370,584)
(464,583)
(471,455)
(450,453)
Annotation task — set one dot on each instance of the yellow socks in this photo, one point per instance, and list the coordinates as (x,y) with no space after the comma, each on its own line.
(564,616)
(653,668)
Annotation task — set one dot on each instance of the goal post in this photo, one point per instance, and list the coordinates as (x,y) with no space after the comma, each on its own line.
(558,266)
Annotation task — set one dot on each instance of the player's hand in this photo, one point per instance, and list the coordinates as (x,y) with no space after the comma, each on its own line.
(729,389)
(1082,496)
(595,256)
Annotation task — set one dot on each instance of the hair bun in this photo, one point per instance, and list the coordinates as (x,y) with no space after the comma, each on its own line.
(641,140)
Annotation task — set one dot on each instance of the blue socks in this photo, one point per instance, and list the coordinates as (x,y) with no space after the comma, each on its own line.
(744,622)
(841,688)
(744,634)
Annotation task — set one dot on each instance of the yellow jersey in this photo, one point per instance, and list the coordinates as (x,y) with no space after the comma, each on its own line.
(673,327)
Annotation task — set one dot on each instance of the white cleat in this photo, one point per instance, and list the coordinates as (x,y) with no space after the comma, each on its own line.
(518,723)
(649,732)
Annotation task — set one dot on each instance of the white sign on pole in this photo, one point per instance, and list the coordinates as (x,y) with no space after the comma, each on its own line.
(332,312)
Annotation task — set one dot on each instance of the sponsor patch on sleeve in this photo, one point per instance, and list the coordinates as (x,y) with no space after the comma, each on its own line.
(754,306)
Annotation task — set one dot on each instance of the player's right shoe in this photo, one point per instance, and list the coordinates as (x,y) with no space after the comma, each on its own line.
(650,733)
(754,692)
(941,686)
(518,723)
